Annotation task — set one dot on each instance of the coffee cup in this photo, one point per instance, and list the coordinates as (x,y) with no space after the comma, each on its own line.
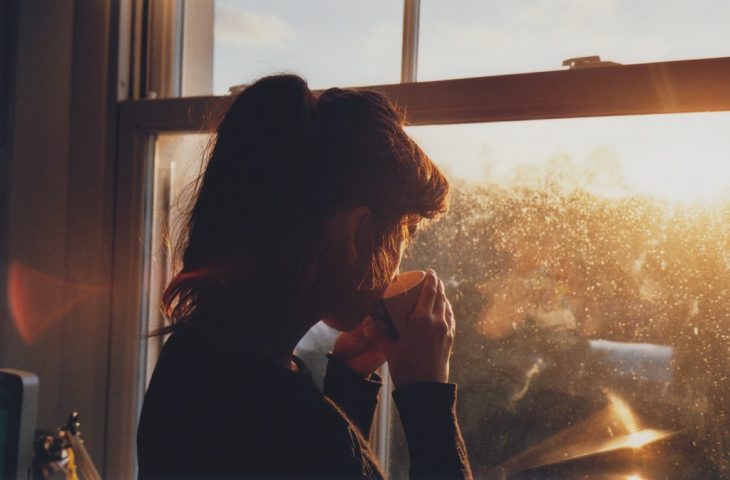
(399,300)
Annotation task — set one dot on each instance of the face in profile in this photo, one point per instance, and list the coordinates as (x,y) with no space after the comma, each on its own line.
(349,303)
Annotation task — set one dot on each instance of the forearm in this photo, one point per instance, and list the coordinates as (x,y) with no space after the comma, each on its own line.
(436,446)
(355,395)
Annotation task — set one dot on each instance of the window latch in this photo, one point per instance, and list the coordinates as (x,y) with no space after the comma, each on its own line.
(588,62)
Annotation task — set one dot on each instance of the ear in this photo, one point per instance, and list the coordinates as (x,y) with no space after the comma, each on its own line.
(358,232)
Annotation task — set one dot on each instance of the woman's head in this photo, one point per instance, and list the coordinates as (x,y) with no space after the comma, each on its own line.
(304,205)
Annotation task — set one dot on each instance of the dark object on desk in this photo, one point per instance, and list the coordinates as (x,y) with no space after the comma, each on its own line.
(18,408)
(63,455)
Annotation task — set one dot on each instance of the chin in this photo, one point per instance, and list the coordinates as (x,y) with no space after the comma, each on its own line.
(346,312)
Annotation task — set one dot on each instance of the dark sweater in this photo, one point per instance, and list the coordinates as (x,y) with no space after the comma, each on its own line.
(217,412)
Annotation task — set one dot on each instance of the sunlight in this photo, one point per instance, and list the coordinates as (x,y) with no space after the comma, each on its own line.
(622,410)
(682,158)
(38,300)
(643,437)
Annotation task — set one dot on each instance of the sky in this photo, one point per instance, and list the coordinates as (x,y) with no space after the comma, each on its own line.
(683,158)
(358,42)
(330,43)
(473,38)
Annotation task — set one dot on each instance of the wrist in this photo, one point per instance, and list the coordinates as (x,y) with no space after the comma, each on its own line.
(410,378)
(347,364)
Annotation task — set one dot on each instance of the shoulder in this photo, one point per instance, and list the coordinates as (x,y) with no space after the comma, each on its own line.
(210,412)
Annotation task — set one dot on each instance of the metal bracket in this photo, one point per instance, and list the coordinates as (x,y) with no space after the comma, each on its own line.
(593,61)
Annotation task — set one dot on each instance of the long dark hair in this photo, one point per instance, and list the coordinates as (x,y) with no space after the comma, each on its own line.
(284,161)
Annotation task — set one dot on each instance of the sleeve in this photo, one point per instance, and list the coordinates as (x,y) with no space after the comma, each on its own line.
(428,414)
(355,395)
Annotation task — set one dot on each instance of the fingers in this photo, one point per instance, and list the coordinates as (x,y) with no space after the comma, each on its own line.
(439,307)
(427,298)
(379,338)
(450,320)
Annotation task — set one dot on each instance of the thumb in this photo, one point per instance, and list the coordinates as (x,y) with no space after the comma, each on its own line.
(379,338)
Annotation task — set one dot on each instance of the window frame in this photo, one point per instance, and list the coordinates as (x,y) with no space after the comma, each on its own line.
(642,89)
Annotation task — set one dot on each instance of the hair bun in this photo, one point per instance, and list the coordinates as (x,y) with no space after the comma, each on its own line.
(266,140)
(272,117)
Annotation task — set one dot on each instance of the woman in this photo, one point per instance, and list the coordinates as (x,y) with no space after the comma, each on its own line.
(302,215)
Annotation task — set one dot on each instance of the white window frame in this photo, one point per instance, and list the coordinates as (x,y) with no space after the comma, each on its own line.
(651,88)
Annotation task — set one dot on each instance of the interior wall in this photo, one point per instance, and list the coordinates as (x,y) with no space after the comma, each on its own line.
(59,208)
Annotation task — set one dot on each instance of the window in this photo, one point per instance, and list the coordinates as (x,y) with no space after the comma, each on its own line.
(472,38)
(205,47)
(292,36)
(588,269)
(585,251)
(176,167)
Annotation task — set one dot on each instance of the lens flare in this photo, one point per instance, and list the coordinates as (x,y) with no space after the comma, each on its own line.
(38,299)
(615,427)
(644,437)
(622,411)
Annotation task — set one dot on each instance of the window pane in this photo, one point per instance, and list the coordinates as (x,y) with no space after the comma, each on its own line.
(588,261)
(328,42)
(475,38)
(176,165)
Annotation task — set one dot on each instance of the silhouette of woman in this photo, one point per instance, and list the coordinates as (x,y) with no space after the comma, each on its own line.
(301,215)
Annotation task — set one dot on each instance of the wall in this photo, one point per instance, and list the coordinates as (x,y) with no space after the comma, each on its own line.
(59,221)
(8,37)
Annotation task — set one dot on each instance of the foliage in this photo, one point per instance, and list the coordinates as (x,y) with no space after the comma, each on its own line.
(535,271)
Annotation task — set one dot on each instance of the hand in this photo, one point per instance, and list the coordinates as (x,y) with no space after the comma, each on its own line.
(357,351)
(422,352)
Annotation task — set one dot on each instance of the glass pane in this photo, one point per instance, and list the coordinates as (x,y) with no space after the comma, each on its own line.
(328,42)
(178,162)
(469,38)
(588,263)
(176,166)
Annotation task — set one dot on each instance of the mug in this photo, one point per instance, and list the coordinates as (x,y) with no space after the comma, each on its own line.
(399,300)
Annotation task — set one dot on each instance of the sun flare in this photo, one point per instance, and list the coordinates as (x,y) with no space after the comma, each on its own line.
(682,158)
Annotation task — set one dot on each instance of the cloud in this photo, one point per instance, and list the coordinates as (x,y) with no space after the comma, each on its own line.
(514,37)
(248,29)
